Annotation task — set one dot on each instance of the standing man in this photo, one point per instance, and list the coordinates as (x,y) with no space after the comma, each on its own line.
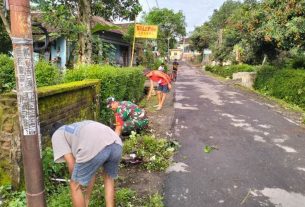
(87,146)
(128,116)
(164,85)
(175,69)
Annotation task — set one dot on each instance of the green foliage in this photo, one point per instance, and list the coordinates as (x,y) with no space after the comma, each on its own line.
(52,170)
(7,74)
(154,152)
(115,9)
(227,71)
(6,43)
(297,62)
(103,52)
(171,25)
(155,200)
(121,83)
(264,76)
(259,27)
(60,198)
(12,198)
(46,74)
(286,84)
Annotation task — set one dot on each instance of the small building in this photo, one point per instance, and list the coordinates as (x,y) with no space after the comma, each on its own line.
(176,54)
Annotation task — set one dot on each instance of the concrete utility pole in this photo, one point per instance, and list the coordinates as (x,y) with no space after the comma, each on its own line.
(21,35)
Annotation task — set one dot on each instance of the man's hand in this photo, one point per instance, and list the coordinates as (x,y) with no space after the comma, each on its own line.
(169,86)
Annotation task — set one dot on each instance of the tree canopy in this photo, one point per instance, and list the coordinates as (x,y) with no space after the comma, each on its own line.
(253,29)
(171,25)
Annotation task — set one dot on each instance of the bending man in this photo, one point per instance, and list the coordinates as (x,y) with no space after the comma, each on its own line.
(164,86)
(87,146)
(128,116)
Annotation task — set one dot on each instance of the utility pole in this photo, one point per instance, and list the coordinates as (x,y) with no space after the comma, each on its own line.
(21,35)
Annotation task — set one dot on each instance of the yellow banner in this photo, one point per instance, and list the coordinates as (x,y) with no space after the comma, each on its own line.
(146,31)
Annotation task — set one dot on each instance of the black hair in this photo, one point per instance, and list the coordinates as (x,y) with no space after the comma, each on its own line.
(54,127)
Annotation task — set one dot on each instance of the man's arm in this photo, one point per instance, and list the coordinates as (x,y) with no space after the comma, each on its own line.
(70,160)
(118,130)
(150,89)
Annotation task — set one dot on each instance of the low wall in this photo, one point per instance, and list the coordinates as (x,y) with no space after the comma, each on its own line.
(66,102)
(246,78)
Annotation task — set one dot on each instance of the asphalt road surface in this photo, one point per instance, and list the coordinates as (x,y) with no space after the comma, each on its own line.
(260,155)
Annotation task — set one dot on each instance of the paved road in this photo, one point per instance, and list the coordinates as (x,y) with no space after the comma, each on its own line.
(260,159)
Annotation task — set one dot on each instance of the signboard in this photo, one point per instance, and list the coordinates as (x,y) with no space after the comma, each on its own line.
(146,31)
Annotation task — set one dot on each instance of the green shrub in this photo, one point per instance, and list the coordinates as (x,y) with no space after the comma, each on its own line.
(155,200)
(264,76)
(52,170)
(155,153)
(12,198)
(46,74)
(121,83)
(297,62)
(7,74)
(286,84)
(227,71)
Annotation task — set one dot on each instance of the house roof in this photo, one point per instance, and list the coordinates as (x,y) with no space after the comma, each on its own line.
(37,16)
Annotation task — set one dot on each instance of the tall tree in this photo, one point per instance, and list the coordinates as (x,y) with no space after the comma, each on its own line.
(171,25)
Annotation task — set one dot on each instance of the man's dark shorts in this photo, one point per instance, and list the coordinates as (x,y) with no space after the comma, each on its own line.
(163,88)
(109,158)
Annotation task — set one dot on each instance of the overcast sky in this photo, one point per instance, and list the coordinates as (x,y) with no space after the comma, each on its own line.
(195,11)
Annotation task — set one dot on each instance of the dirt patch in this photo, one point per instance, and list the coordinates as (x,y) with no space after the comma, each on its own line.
(160,124)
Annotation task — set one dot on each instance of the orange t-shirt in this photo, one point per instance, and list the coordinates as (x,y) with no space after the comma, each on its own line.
(161,80)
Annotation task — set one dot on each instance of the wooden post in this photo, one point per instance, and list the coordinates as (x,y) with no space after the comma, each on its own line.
(133,44)
(21,35)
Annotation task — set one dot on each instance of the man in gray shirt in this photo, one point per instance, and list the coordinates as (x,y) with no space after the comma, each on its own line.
(85,147)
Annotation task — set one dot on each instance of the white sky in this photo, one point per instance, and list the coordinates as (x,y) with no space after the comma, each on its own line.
(195,11)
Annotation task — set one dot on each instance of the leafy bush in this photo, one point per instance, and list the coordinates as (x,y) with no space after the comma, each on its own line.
(121,83)
(286,84)
(227,71)
(12,198)
(155,200)
(46,74)
(52,170)
(297,62)
(155,153)
(264,76)
(7,74)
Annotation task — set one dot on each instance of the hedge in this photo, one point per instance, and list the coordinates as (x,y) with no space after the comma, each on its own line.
(227,71)
(121,83)
(46,74)
(7,74)
(286,84)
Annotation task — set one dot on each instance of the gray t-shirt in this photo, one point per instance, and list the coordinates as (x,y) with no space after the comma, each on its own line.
(83,139)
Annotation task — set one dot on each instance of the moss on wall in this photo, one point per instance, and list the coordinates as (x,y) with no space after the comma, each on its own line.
(69,102)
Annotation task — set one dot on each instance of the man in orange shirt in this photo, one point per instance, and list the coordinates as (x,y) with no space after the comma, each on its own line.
(164,85)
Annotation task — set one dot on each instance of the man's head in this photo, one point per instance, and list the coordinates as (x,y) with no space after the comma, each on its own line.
(54,127)
(147,73)
(112,103)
